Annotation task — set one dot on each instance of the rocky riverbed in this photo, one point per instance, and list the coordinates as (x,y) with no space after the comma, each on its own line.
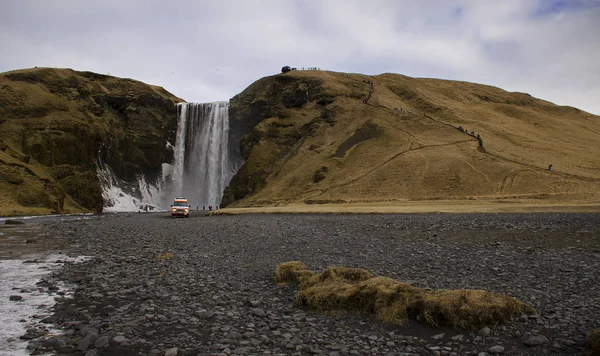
(204,285)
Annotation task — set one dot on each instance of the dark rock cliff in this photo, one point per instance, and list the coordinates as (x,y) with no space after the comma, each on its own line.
(56,123)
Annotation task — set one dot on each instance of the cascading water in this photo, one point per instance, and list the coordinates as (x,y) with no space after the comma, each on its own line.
(180,141)
(201,169)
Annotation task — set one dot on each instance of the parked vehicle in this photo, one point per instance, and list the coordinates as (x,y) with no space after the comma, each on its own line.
(180,207)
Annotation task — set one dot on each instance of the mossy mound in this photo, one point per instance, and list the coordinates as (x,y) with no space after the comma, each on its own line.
(593,343)
(340,289)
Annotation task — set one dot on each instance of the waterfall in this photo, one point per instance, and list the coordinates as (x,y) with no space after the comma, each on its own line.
(180,147)
(201,169)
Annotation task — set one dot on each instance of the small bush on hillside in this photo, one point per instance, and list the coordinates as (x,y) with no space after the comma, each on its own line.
(327,116)
(320,174)
(284,114)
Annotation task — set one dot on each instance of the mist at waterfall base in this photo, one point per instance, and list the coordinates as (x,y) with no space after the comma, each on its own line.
(202,167)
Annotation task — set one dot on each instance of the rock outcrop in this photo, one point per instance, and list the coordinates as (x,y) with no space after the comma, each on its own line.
(55,126)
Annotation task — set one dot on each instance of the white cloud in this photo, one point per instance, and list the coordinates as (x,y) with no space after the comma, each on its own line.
(207,51)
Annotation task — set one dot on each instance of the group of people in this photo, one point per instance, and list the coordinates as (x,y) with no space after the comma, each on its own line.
(366,101)
(472,133)
(210,207)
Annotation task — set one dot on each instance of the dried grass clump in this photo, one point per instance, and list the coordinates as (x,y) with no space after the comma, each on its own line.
(593,343)
(165,256)
(337,274)
(340,289)
(386,298)
(292,272)
(468,309)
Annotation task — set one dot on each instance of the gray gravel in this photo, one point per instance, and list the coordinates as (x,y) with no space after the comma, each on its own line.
(216,294)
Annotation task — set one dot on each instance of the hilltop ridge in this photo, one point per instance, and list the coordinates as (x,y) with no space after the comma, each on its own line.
(315,141)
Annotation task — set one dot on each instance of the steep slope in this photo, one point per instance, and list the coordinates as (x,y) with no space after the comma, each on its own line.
(55,124)
(314,140)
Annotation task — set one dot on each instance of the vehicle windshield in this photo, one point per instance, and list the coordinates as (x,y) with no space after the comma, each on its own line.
(180,203)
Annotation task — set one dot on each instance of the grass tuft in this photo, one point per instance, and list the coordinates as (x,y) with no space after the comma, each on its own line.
(341,289)
(292,272)
(165,256)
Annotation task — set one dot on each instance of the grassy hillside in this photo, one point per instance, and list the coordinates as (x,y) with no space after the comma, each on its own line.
(315,141)
(56,123)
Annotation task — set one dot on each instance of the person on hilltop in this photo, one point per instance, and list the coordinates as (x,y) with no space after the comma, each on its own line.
(550,168)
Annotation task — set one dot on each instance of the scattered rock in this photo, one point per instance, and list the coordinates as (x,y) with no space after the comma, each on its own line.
(484,332)
(85,342)
(535,340)
(196,303)
(119,339)
(172,351)
(496,349)
(15,298)
(102,341)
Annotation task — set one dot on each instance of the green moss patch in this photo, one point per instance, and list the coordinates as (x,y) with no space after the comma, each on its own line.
(85,190)
(341,289)
(320,174)
(593,343)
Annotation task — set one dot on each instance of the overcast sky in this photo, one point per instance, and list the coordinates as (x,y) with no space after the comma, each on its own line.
(211,50)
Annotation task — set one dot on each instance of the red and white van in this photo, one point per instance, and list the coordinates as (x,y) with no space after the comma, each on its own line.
(180,207)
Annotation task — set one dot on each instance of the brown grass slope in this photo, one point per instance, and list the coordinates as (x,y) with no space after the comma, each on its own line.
(315,141)
(56,123)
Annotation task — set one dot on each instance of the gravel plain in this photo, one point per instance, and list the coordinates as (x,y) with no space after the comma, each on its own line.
(204,285)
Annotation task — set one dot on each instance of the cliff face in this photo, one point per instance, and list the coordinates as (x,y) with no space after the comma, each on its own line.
(308,137)
(55,124)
